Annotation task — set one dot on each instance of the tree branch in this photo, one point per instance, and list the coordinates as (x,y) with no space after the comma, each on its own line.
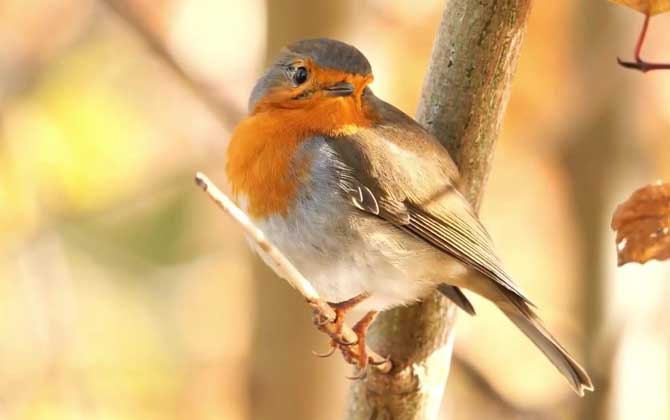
(640,63)
(462,104)
(285,269)
(222,108)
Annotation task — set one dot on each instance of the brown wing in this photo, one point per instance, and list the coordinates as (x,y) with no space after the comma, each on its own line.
(413,188)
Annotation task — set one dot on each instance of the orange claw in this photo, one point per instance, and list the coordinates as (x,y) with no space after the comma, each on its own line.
(362,373)
(361,359)
(381,362)
(326,354)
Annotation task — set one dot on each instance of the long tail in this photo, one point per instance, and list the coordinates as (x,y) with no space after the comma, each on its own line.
(525,318)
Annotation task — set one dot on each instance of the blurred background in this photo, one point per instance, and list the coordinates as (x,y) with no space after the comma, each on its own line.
(125,294)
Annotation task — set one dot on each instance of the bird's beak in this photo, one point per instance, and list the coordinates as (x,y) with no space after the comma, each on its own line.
(340,89)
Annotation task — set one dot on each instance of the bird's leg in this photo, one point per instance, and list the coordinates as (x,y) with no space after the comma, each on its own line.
(361,329)
(340,309)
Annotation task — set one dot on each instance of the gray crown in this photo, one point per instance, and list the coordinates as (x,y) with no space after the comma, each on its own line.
(332,54)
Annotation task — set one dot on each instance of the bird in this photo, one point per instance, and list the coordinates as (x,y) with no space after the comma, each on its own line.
(363,200)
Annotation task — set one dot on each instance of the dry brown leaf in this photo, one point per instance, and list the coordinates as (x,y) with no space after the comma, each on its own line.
(648,7)
(643,225)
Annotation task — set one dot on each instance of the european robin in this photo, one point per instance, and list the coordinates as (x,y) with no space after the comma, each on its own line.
(363,200)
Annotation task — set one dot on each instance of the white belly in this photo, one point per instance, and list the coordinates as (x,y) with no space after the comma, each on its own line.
(340,264)
(341,268)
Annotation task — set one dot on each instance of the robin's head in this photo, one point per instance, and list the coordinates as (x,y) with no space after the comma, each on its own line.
(310,72)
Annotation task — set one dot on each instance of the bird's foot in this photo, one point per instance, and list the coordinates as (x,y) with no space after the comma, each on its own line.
(340,309)
(337,339)
(353,351)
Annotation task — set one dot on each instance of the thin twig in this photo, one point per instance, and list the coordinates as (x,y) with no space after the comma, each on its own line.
(641,37)
(290,273)
(639,63)
(223,109)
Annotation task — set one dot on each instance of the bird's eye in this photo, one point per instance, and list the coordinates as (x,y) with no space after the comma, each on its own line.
(300,75)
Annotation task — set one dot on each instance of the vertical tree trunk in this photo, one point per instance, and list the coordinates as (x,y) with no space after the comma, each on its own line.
(463,101)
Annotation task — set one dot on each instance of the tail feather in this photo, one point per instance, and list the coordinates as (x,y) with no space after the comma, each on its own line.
(456,295)
(531,325)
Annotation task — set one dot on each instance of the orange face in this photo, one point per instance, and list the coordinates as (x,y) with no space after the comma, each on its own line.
(315,90)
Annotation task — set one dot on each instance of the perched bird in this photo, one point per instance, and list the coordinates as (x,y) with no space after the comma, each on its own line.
(363,200)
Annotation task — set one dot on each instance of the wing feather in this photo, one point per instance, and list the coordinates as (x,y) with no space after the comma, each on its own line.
(453,236)
(377,174)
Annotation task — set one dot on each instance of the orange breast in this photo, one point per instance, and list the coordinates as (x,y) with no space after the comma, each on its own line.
(261,167)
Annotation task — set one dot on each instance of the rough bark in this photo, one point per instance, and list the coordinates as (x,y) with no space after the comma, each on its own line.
(463,101)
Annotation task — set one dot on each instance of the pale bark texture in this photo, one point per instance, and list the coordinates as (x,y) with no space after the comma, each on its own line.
(463,102)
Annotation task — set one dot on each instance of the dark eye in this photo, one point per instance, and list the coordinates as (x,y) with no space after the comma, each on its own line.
(300,75)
